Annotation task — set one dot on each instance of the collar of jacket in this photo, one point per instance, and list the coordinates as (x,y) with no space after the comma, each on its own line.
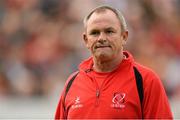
(87,64)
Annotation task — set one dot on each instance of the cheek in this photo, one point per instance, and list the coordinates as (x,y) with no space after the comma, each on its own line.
(117,45)
(117,42)
(90,44)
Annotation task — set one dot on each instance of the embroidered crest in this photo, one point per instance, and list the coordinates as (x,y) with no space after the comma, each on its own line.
(118,100)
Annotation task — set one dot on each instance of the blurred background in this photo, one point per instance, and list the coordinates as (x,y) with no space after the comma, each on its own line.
(41,44)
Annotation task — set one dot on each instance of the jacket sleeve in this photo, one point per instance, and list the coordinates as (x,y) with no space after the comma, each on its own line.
(155,104)
(60,111)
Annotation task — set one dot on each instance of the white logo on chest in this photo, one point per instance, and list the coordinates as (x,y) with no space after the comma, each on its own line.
(77,103)
(118,101)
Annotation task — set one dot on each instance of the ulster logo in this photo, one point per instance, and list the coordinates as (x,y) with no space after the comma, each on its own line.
(118,100)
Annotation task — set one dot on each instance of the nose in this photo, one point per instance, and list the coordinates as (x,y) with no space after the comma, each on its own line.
(102,37)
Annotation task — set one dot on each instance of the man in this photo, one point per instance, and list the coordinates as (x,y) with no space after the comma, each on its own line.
(110,84)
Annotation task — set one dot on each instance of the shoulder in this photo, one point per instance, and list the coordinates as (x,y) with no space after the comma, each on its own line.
(152,84)
(150,78)
(71,76)
(146,71)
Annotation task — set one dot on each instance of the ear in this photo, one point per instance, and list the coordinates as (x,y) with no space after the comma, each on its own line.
(85,40)
(124,36)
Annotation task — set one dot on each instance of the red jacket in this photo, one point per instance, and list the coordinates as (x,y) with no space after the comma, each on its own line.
(113,94)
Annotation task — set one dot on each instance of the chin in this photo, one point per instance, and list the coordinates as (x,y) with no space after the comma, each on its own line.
(103,57)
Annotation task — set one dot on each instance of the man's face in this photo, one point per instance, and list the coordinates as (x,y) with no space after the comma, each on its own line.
(103,35)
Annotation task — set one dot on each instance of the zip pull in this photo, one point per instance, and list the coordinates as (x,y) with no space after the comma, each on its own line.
(97,93)
(97,97)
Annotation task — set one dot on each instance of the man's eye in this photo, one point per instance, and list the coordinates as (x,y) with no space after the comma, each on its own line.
(109,31)
(94,33)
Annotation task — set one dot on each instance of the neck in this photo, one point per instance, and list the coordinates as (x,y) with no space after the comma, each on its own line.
(107,66)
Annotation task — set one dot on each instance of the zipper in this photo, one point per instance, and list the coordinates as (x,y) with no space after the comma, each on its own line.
(97,97)
(97,92)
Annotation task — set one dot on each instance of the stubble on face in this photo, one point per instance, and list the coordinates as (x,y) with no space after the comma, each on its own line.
(106,47)
(102,51)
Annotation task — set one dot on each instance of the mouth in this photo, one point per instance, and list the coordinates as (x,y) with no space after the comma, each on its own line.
(102,46)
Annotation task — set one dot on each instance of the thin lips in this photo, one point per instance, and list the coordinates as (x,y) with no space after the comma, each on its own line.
(101,46)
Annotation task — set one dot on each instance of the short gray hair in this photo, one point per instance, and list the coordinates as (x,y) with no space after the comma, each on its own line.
(116,11)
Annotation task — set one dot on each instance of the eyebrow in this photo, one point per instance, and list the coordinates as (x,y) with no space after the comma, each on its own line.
(108,28)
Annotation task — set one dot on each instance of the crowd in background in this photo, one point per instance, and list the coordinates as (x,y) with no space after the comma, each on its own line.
(41,41)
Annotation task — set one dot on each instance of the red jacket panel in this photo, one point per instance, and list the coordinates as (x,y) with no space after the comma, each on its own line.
(114,94)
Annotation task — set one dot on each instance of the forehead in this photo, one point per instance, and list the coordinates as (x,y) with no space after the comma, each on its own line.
(106,16)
